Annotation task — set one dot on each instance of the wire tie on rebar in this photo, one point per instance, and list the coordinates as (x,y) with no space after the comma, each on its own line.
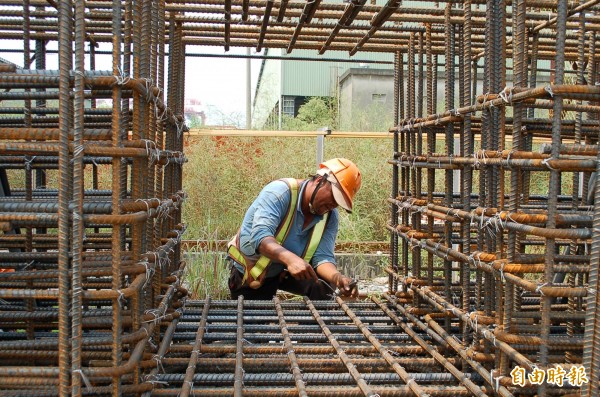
(145,202)
(502,272)
(145,330)
(191,387)
(508,158)
(539,289)
(393,353)
(502,95)
(162,116)
(78,150)
(472,223)
(159,365)
(85,379)
(148,85)
(548,89)
(470,259)
(456,339)
(28,160)
(545,162)
(180,126)
(498,222)
(494,380)
(121,79)
(585,248)
(76,216)
(481,218)
(151,343)
(153,312)
(456,302)
(121,298)
(27,265)
(167,163)
(153,380)
(591,291)
(474,323)
(149,272)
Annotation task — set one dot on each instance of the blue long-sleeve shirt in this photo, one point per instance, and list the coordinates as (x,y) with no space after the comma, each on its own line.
(267,212)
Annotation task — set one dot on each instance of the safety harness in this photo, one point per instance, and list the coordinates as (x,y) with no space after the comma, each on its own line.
(254,271)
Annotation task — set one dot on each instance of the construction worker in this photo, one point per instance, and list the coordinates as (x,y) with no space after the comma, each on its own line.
(287,237)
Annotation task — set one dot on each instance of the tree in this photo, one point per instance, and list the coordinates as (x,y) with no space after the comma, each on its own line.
(317,112)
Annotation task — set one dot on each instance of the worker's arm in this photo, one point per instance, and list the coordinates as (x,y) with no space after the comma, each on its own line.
(328,272)
(296,266)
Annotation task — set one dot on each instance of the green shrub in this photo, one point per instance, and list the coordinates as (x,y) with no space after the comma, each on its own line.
(225,174)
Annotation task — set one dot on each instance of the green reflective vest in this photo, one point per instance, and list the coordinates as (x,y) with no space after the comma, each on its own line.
(254,273)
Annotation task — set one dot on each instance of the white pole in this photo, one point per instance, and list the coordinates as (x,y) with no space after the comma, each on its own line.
(248,91)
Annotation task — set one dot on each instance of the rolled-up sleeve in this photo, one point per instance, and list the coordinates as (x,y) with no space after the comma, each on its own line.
(325,250)
(264,216)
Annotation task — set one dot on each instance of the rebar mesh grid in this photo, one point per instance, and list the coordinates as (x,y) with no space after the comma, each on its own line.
(308,348)
(91,201)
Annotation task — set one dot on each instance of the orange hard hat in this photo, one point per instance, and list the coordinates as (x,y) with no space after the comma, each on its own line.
(348,179)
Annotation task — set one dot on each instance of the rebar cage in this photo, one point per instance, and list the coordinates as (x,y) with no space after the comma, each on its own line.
(91,198)
(493,275)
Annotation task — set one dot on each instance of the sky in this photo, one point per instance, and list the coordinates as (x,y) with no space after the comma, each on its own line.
(218,83)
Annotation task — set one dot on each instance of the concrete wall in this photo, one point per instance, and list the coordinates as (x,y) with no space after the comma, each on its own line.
(366,99)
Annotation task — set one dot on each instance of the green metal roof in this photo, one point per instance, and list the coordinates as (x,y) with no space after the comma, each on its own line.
(301,78)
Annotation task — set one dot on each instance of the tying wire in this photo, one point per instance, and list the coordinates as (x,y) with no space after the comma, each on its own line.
(159,365)
(121,299)
(85,379)
(539,289)
(121,79)
(154,380)
(545,162)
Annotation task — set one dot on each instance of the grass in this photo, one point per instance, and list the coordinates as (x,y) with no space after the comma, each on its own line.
(222,184)
(206,273)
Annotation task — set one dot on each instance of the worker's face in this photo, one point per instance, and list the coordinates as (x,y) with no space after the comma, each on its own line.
(324,200)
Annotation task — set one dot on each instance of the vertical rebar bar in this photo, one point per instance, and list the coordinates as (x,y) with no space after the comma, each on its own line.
(191,368)
(449,144)
(238,383)
(287,344)
(118,190)
(398,66)
(554,184)
(78,187)
(65,22)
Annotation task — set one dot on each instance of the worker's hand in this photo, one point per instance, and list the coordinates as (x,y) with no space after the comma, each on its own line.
(301,270)
(346,285)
